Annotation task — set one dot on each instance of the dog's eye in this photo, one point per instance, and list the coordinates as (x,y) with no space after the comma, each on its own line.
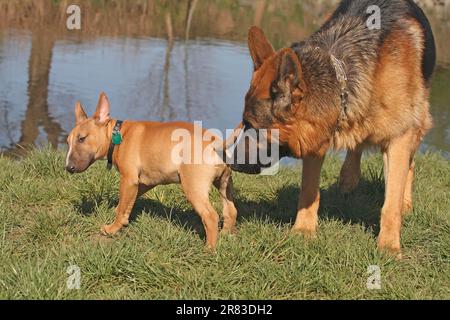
(276,95)
(81,139)
(273,92)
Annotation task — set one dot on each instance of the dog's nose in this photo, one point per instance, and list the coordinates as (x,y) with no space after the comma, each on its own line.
(247,124)
(70,168)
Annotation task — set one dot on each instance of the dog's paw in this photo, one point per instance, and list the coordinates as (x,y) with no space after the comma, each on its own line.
(407,207)
(392,252)
(308,233)
(228,231)
(109,229)
(389,245)
(210,249)
(306,227)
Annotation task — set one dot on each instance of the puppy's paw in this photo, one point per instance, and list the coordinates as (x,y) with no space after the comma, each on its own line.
(211,249)
(109,229)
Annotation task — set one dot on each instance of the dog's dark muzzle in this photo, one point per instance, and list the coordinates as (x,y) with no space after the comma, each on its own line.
(242,159)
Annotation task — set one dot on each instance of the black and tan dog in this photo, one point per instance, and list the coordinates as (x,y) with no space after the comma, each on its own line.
(144,156)
(349,86)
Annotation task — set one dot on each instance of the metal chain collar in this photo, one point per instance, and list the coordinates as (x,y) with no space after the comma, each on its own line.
(342,78)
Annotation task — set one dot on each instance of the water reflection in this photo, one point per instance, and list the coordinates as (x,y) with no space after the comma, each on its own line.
(37,114)
(145,78)
(184,60)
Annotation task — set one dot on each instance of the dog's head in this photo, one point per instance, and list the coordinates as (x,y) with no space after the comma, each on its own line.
(277,86)
(88,141)
(276,91)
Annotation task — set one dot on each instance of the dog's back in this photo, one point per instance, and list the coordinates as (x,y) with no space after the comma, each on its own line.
(392,12)
(368,54)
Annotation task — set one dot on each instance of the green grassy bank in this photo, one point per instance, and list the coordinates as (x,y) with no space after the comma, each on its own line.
(50,220)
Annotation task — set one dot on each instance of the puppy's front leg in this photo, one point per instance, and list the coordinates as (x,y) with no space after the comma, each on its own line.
(308,205)
(128,194)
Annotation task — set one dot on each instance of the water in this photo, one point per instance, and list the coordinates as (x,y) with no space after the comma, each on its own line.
(206,80)
(146,76)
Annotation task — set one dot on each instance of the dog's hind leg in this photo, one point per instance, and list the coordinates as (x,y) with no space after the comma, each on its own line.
(225,186)
(407,199)
(351,170)
(196,181)
(397,159)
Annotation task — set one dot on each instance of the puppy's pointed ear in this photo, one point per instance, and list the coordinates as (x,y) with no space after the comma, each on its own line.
(290,69)
(101,115)
(260,48)
(80,115)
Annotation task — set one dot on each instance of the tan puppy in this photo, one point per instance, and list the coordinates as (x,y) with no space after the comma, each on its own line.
(144,159)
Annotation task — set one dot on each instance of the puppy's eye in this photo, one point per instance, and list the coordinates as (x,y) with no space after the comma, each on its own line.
(81,139)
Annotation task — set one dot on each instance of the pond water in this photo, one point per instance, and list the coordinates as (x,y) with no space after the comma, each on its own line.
(203,80)
(145,76)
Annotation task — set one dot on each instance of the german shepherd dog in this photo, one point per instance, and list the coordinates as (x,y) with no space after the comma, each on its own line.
(349,86)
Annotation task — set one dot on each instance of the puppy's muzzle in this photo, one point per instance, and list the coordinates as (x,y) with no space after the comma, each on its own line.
(70,168)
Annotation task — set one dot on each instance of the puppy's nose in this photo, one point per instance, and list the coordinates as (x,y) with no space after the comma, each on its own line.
(70,168)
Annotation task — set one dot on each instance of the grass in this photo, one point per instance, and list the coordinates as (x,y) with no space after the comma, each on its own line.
(50,220)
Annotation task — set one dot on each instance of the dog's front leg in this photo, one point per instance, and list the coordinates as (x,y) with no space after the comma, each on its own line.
(397,166)
(308,205)
(128,194)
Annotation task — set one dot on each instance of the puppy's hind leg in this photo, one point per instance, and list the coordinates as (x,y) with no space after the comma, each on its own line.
(351,170)
(196,181)
(225,186)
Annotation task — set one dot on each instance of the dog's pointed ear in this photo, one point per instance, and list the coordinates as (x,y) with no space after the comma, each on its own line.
(260,48)
(290,69)
(101,115)
(80,114)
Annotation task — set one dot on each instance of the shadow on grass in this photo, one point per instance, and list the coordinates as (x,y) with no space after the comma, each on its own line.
(361,207)
(188,219)
(87,204)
